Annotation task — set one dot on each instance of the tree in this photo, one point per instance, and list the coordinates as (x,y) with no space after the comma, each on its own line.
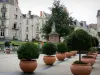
(79,40)
(61,18)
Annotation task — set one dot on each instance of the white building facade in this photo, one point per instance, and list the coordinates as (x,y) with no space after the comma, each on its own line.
(30,29)
(98,24)
(10,20)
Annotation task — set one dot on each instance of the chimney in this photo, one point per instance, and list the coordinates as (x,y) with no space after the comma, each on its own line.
(29,12)
(40,13)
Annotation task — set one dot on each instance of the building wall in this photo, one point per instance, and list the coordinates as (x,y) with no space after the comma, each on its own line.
(98,23)
(31,25)
(12,10)
(93,26)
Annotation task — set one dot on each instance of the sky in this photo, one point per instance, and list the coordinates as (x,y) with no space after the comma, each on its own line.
(82,10)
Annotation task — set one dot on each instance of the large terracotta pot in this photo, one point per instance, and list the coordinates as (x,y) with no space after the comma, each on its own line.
(49,60)
(88,60)
(94,56)
(28,66)
(74,53)
(69,54)
(81,69)
(61,56)
(91,53)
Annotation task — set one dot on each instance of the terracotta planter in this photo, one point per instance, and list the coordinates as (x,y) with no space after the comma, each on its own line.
(74,53)
(28,66)
(61,56)
(69,54)
(91,53)
(94,56)
(49,60)
(81,69)
(88,60)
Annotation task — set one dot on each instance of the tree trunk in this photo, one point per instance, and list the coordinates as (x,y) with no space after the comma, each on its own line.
(59,38)
(79,55)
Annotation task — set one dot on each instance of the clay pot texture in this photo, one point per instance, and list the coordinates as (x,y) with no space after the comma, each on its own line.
(81,69)
(69,54)
(28,66)
(49,60)
(88,60)
(61,56)
(74,53)
(94,56)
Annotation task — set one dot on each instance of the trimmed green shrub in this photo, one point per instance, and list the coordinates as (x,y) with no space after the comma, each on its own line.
(87,56)
(28,51)
(49,48)
(79,40)
(95,42)
(61,48)
(93,49)
(79,62)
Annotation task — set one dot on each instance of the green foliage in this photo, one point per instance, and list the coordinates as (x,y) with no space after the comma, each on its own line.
(95,42)
(61,18)
(49,49)
(61,48)
(7,44)
(79,40)
(79,62)
(87,56)
(28,51)
(93,49)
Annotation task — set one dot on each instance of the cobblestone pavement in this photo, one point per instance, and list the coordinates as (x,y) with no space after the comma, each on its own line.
(9,65)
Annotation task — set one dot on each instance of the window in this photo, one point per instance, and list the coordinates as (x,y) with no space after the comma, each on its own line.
(37,30)
(15,25)
(81,24)
(2,32)
(16,16)
(27,29)
(3,15)
(26,37)
(27,22)
(20,17)
(16,9)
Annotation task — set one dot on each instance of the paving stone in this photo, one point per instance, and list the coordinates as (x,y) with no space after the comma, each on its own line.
(9,65)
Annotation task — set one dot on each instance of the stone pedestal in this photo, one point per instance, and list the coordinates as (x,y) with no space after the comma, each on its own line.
(54,37)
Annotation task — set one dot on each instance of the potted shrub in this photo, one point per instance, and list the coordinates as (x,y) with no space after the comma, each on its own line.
(61,49)
(49,49)
(28,53)
(74,52)
(95,44)
(68,52)
(92,52)
(79,40)
(88,59)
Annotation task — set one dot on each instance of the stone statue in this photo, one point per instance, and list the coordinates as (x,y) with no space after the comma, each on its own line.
(53,27)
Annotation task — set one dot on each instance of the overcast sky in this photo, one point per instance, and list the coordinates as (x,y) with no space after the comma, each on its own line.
(85,10)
